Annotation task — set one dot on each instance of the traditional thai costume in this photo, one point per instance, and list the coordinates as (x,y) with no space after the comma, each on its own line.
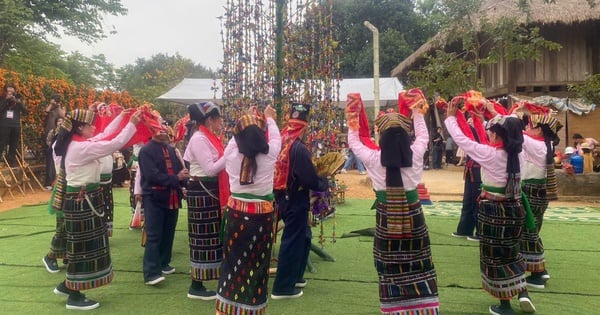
(501,217)
(401,248)
(208,190)
(249,217)
(538,152)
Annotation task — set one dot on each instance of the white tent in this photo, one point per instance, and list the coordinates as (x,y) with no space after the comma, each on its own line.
(191,91)
(388,90)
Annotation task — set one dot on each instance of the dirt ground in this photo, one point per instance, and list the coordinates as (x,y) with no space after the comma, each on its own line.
(443,185)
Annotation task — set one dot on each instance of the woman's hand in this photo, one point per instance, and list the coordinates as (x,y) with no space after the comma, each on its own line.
(452,108)
(270,112)
(127,111)
(136,118)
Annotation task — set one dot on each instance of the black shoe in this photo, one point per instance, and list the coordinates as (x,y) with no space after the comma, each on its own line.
(51,264)
(545,275)
(525,303)
(154,280)
(501,310)
(168,270)
(536,282)
(61,289)
(201,294)
(301,283)
(77,301)
(296,294)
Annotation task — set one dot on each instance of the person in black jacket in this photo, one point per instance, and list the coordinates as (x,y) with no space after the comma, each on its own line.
(11,110)
(161,176)
(295,173)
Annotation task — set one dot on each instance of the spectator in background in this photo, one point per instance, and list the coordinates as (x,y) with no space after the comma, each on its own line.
(11,110)
(50,138)
(579,139)
(352,159)
(54,110)
(438,147)
(450,146)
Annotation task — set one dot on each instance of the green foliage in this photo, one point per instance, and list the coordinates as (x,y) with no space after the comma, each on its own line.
(589,89)
(516,41)
(24,21)
(445,73)
(474,41)
(147,79)
(401,28)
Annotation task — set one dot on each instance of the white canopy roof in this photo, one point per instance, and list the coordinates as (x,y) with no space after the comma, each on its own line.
(191,91)
(388,90)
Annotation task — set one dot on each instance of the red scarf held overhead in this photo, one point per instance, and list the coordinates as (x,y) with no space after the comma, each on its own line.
(173,195)
(224,191)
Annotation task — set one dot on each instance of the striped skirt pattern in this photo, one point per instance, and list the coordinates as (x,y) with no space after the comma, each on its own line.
(247,242)
(501,264)
(407,278)
(532,248)
(58,245)
(551,183)
(109,206)
(204,224)
(88,249)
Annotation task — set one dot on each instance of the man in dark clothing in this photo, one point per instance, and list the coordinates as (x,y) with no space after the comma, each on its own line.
(295,170)
(11,110)
(54,110)
(161,176)
(438,148)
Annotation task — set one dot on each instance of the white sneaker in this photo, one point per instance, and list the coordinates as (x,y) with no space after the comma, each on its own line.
(155,280)
(343,171)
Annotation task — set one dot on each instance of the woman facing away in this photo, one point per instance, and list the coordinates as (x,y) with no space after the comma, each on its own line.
(249,216)
(501,216)
(88,252)
(401,249)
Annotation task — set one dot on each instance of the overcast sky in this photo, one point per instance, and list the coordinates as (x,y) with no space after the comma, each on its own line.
(189,27)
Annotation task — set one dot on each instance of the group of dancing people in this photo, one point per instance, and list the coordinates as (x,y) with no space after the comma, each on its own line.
(511,154)
(235,194)
(230,192)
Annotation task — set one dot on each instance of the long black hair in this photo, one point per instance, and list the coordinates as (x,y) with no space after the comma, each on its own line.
(65,136)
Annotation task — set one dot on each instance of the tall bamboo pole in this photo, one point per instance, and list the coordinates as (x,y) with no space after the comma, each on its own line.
(375,32)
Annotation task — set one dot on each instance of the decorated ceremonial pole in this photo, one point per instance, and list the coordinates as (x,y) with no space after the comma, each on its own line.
(278,100)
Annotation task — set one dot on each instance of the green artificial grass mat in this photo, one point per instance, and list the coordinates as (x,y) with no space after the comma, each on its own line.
(346,286)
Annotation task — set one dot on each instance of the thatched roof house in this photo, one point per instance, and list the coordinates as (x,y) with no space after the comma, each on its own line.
(571,23)
(558,22)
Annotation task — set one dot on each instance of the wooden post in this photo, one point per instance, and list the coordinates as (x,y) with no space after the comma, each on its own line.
(14,177)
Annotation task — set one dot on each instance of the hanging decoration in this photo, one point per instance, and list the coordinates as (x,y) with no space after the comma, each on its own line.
(309,63)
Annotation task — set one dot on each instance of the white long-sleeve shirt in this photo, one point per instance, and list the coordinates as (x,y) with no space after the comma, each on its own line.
(534,158)
(263,179)
(82,163)
(492,160)
(203,156)
(411,176)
